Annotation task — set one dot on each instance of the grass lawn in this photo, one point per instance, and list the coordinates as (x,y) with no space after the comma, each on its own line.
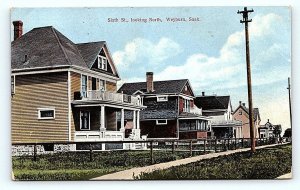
(76,165)
(267,163)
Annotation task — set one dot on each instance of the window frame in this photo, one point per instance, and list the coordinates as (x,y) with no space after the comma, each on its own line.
(81,85)
(89,115)
(101,64)
(158,123)
(13,84)
(165,98)
(104,86)
(46,109)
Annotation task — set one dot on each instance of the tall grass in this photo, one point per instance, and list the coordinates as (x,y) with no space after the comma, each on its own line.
(264,164)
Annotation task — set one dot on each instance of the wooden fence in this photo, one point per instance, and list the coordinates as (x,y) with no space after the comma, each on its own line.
(194,147)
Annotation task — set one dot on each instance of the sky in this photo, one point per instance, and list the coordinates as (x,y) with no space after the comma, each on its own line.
(209,52)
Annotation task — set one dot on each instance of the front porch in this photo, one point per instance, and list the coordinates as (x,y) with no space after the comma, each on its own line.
(227,128)
(95,116)
(193,127)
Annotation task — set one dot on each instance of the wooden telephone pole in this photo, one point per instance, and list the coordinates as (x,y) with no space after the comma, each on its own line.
(251,120)
(289,88)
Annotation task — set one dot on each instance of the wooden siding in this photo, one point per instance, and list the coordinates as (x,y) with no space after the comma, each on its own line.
(111,87)
(40,91)
(159,131)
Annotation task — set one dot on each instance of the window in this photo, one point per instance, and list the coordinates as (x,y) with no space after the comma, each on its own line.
(186,105)
(84,120)
(240,112)
(102,62)
(13,78)
(84,86)
(162,122)
(46,113)
(102,85)
(162,98)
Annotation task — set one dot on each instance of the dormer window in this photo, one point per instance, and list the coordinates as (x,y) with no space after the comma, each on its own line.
(102,62)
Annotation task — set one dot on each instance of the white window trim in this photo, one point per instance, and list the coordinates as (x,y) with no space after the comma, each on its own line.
(81,122)
(87,84)
(104,84)
(46,109)
(102,66)
(162,100)
(13,91)
(165,123)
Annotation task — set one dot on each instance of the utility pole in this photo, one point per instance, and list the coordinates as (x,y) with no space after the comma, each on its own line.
(289,89)
(246,20)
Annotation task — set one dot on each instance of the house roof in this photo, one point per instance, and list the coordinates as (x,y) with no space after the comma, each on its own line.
(212,102)
(89,51)
(160,87)
(256,114)
(47,47)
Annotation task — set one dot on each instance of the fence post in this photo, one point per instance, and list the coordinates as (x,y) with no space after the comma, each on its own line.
(91,153)
(204,146)
(34,152)
(216,145)
(191,148)
(151,152)
(173,147)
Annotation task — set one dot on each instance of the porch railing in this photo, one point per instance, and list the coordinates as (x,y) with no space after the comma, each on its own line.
(226,122)
(99,135)
(111,96)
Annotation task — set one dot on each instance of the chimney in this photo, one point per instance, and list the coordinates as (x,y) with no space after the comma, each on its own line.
(203,93)
(149,80)
(240,103)
(268,121)
(244,104)
(18,29)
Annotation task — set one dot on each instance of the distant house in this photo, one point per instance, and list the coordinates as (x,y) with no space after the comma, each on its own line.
(171,112)
(269,130)
(220,110)
(241,113)
(65,91)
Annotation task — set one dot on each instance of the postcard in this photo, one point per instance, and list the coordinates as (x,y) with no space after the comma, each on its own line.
(156,93)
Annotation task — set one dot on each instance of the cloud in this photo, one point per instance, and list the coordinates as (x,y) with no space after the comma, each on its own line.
(269,59)
(143,51)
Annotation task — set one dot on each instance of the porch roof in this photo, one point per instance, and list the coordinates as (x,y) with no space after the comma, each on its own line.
(108,103)
(185,115)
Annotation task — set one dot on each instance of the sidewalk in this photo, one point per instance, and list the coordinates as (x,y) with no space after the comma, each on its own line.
(130,173)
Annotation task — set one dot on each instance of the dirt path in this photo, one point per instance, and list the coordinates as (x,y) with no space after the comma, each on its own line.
(130,173)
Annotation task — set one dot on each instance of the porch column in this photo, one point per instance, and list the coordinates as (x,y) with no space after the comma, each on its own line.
(134,120)
(138,120)
(102,119)
(122,120)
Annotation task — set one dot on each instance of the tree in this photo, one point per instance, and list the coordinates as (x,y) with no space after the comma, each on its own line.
(277,130)
(288,132)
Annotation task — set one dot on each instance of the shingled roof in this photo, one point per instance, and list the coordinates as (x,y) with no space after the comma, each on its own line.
(256,114)
(212,102)
(47,47)
(160,87)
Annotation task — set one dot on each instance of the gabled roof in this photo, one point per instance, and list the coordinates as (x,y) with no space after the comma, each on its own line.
(160,87)
(212,102)
(256,114)
(89,51)
(47,47)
